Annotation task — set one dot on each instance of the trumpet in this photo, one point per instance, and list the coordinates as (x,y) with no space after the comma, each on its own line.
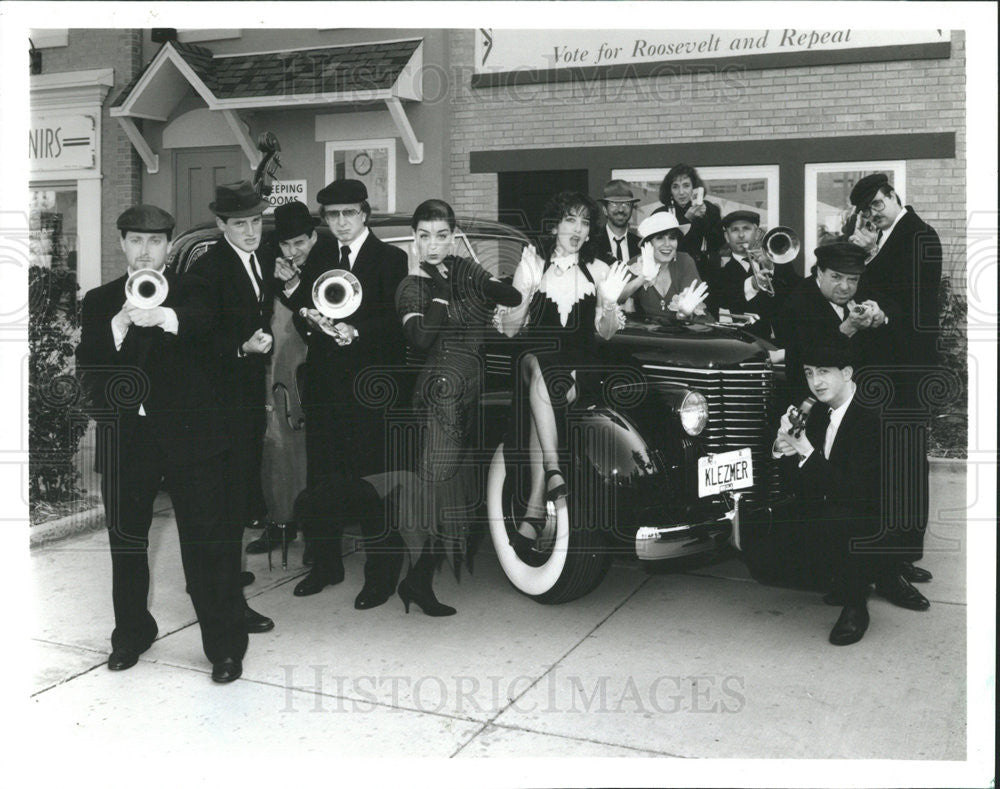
(146,288)
(336,294)
(778,245)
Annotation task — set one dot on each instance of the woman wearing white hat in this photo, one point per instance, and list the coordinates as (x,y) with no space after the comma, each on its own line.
(666,284)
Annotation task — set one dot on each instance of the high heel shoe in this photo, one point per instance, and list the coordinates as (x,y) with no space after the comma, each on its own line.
(424,598)
(560,491)
(521,542)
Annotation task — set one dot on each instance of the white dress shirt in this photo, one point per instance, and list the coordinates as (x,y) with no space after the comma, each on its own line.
(354,247)
(880,240)
(248,266)
(612,238)
(836,417)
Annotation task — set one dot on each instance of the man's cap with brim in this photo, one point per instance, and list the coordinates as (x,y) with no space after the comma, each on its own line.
(236,201)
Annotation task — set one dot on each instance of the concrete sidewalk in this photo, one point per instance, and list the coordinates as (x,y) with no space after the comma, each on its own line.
(704,663)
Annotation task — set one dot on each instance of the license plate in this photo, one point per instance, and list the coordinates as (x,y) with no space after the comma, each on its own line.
(725,471)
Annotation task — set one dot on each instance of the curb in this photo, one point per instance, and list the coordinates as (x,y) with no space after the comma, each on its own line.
(948,465)
(67,526)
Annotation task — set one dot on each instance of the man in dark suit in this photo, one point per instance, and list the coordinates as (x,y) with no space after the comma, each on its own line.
(736,289)
(344,435)
(904,270)
(153,385)
(822,310)
(241,273)
(834,470)
(618,242)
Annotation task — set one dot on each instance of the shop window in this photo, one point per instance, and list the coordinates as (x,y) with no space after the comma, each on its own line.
(827,196)
(373,162)
(53,226)
(752,187)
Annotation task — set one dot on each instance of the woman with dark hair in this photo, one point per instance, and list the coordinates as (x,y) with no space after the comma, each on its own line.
(445,305)
(683,192)
(568,296)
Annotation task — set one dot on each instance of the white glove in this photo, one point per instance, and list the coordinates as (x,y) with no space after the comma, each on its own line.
(688,301)
(648,267)
(611,286)
(528,276)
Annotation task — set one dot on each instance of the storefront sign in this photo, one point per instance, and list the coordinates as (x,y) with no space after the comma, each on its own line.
(559,55)
(285,192)
(62,142)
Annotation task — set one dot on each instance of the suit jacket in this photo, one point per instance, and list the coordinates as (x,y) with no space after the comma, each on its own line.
(806,319)
(241,314)
(603,248)
(729,293)
(379,268)
(851,477)
(173,377)
(906,274)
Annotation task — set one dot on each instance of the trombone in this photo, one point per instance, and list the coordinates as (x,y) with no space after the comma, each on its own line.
(146,288)
(336,294)
(778,245)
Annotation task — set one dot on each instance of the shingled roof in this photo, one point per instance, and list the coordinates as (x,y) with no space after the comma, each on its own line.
(323,70)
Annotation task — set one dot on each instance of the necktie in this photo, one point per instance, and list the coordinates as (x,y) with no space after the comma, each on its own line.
(258,277)
(345,258)
(878,240)
(618,249)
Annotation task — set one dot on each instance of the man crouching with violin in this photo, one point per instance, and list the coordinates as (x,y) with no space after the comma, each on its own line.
(833,466)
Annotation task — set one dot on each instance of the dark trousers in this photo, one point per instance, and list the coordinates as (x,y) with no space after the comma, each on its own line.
(813,546)
(246,424)
(210,545)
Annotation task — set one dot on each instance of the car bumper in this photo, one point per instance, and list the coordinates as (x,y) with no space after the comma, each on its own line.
(672,541)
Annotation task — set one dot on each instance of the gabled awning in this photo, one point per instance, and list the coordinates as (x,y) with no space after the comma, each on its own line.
(386,72)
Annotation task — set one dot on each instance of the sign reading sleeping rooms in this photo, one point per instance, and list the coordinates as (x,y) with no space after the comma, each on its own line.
(62,142)
(285,192)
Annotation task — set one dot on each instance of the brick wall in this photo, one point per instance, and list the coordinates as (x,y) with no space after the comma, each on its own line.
(823,101)
(122,51)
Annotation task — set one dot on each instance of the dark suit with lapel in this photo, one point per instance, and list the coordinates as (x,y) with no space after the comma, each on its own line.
(180,436)
(604,249)
(344,436)
(808,320)
(728,292)
(244,377)
(905,277)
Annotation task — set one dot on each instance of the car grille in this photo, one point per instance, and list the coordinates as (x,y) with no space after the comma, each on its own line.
(740,412)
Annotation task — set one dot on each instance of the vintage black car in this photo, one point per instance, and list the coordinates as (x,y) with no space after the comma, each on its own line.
(662,462)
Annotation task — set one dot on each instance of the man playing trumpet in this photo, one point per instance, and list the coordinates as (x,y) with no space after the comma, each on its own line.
(154,389)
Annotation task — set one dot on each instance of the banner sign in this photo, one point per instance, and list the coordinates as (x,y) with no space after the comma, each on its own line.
(539,55)
(62,142)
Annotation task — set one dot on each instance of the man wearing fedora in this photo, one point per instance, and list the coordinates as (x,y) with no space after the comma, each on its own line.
(242,276)
(904,271)
(151,378)
(617,242)
(345,437)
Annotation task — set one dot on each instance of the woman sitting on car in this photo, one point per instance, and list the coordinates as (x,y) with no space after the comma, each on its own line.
(568,297)
(666,283)
(445,304)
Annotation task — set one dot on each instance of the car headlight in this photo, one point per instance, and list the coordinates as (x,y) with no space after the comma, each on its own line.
(693,413)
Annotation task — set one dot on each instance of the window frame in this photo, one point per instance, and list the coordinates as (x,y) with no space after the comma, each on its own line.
(389,143)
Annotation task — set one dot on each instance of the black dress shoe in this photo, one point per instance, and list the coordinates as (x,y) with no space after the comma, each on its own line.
(372,595)
(122,658)
(247,578)
(317,581)
(898,591)
(256,623)
(270,538)
(914,574)
(851,625)
(227,670)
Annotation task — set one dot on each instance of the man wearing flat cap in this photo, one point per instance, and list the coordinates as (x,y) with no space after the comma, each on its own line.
(617,242)
(345,437)
(146,359)
(736,288)
(822,310)
(904,272)
(832,468)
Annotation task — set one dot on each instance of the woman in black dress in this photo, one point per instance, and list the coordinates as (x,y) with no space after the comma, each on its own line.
(568,296)
(683,191)
(445,305)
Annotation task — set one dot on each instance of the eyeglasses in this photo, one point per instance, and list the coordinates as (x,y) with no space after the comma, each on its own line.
(347,213)
(874,205)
